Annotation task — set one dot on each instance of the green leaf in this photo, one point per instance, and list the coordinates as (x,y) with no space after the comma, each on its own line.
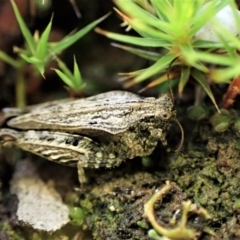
(153,56)
(65,78)
(225,75)
(143,42)
(64,68)
(24,29)
(231,52)
(158,67)
(185,74)
(129,75)
(190,57)
(136,12)
(77,74)
(4,57)
(208,44)
(32,60)
(213,58)
(207,13)
(200,78)
(41,68)
(227,38)
(148,31)
(235,13)
(73,81)
(162,8)
(66,42)
(42,45)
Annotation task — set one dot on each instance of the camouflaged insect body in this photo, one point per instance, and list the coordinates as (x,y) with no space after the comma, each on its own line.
(98,131)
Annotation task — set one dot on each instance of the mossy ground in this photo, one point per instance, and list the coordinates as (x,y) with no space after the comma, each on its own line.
(205,172)
(111,205)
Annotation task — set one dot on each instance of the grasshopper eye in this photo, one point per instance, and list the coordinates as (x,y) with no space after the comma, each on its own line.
(165,115)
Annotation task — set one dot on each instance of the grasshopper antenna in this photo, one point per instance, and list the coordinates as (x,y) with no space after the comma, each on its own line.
(168,77)
(175,120)
(182,135)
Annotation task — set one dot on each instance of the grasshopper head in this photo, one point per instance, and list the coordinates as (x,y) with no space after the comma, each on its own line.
(165,109)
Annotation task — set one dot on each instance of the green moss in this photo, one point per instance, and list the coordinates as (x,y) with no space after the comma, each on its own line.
(212,177)
(207,173)
(143,224)
(111,205)
(76,215)
(10,232)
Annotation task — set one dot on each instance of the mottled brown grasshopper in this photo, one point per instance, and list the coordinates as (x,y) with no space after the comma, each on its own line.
(98,131)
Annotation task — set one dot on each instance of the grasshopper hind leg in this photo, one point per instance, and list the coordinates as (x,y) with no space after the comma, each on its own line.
(63,148)
(9,136)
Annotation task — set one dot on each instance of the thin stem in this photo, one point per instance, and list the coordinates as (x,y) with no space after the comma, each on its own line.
(9,60)
(20,87)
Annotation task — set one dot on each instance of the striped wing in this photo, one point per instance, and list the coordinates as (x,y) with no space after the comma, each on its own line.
(111,112)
